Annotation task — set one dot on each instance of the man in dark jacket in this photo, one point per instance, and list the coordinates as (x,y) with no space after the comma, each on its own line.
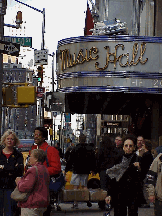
(82,160)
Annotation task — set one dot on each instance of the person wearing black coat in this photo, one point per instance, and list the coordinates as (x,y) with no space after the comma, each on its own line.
(146,159)
(127,178)
(11,166)
(82,161)
(108,155)
(145,163)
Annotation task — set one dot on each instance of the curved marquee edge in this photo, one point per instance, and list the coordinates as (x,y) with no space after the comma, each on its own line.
(110,89)
(117,74)
(123,38)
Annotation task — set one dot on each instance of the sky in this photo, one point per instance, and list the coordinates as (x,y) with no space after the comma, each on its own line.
(63,19)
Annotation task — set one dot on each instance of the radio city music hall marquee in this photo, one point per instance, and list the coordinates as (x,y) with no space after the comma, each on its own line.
(104,63)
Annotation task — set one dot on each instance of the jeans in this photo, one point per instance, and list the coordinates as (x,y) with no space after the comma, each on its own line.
(7,205)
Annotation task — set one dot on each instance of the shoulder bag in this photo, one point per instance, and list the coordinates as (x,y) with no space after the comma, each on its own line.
(56,181)
(19,196)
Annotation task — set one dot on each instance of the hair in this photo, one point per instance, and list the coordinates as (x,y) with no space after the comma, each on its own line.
(82,138)
(43,131)
(118,136)
(148,144)
(106,146)
(131,137)
(39,154)
(6,134)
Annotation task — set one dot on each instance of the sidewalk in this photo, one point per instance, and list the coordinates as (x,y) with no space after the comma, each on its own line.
(94,210)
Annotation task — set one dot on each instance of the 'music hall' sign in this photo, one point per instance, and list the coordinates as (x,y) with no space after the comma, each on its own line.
(102,63)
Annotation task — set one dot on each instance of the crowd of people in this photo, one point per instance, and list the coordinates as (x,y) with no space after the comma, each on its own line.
(126,167)
(123,165)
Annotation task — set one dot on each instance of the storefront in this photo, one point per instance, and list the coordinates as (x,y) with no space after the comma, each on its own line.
(112,75)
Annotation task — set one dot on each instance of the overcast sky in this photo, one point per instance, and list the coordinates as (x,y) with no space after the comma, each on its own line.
(63,19)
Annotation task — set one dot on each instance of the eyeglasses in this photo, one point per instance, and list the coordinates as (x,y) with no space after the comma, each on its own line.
(131,146)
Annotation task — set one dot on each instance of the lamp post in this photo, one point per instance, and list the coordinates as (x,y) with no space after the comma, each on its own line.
(43,23)
(53,89)
(41,101)
(53,77)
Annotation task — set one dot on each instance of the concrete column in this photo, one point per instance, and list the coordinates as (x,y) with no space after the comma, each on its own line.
(158,18)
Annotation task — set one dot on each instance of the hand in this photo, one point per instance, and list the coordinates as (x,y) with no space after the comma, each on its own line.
(151,199)
(17,180)
(1,166)
(108,199)
(136,164)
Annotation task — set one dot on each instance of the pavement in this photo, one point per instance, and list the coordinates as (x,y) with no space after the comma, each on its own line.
(94,210)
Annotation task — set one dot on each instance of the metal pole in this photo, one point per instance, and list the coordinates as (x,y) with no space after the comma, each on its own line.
(53,76)
(42,47)
(54,131)
(43,29)
(61,131)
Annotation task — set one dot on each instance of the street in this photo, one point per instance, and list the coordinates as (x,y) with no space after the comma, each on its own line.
(94,210)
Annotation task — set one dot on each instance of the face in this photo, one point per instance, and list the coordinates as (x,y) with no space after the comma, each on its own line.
(38,138)
(128,146)
(140,142)
(32,159)
(10,141)
(118,141)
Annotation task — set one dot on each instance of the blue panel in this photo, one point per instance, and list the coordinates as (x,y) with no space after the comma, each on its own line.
(117,74)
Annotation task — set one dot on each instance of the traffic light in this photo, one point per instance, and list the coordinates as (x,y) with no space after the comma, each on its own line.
(8,96)
(40,73)
(26,95)
(19,18)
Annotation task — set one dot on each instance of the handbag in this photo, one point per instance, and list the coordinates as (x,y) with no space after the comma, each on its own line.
(57,181)
(20,196)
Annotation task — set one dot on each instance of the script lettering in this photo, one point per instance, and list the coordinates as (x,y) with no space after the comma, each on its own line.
(69,60)
(124,60)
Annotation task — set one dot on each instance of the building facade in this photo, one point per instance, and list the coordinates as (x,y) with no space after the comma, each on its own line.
(21,120)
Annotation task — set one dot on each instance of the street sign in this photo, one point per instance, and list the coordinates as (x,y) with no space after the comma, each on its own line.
(40,91)
(23,41)
(67,117)
(40,57)
(9,48)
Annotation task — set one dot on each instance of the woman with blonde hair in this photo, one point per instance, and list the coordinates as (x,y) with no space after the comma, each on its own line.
(11,166)
(36,182)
